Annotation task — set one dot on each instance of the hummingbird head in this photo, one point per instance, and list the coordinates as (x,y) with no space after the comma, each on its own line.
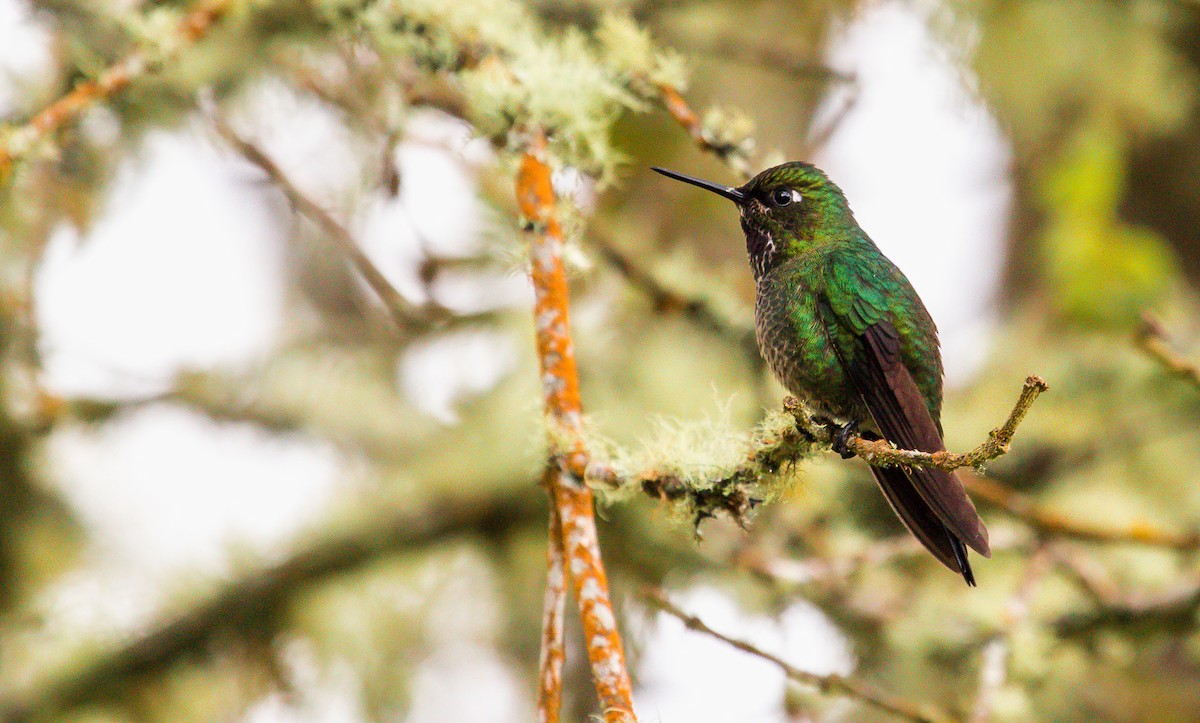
(784,210)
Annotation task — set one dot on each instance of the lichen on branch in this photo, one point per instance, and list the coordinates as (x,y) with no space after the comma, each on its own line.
(707,470)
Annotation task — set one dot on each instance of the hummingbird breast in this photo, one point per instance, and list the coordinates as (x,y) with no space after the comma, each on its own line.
(794,339)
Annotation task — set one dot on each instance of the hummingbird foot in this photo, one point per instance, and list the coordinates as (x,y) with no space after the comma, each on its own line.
(841,438)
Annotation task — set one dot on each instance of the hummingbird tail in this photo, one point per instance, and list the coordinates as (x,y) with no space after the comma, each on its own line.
(922,522)
(960,556)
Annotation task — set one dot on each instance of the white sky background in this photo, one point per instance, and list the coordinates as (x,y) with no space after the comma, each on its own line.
(142,296)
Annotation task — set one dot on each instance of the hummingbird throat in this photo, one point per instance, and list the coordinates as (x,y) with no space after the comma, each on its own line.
(760,248)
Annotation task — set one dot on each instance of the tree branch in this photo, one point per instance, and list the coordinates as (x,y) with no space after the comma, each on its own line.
(553,650)
(253,606)
(731,152)
(768,57)
(1174,610)
(16,143)
(881,453)
(829,684)
(666,299)
(774,446)
(1153,339)
(405,315)
(1052,523)
(560,387)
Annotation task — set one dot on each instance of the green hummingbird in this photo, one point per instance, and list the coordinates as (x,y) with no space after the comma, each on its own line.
(842,328)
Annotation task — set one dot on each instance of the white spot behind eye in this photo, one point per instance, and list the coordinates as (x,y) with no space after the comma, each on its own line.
(795,195)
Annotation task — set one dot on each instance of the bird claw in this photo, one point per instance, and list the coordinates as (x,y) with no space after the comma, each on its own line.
(841,439)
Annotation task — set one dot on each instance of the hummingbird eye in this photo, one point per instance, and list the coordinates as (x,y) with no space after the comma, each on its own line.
(784,196)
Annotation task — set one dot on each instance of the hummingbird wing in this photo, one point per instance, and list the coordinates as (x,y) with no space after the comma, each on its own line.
(864,299)
(899,409)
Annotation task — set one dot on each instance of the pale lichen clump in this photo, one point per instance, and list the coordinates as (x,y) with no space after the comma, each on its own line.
(730,131)
(517,77)
(707,465)
(560,87)
(630,52)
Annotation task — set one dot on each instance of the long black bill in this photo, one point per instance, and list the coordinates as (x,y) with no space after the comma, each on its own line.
(732,194)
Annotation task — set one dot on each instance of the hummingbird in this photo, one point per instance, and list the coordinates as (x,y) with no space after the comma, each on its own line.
(841,327)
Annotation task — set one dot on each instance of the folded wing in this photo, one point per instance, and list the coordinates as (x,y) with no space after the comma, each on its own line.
(896,404)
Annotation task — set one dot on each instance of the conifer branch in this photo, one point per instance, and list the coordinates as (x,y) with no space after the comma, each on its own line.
(881,453)
(829,684)
(563,410)
(1152,338)
(18,142)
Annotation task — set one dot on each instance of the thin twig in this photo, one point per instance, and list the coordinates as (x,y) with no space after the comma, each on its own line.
(819,136)
(404,314)
(829,684)
(16,143)
(669,300)
(1028,511)
(731,154)
(997,652)
(1173,610)
(1087,573)
(560,386)
(839,570)
(881,453)
(1153,339)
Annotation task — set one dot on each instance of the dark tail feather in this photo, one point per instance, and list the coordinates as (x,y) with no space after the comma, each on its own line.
(920,519)
(960,556)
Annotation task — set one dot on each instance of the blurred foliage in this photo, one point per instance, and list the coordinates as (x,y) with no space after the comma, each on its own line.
(1099,103)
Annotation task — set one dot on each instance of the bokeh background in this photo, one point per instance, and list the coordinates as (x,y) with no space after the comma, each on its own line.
(231,489)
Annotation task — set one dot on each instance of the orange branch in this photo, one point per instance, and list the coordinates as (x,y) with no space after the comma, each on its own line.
(677,107)
(18,141)
(560,386)
(549,701)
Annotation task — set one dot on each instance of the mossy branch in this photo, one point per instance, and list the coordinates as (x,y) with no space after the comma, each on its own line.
(782,440)
(734,488)
(881,453)
(848,687)
(18,142)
